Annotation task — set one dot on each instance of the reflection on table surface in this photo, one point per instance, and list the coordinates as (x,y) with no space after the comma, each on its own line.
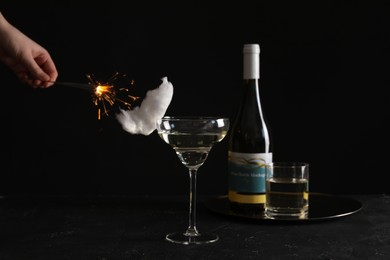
(101,227)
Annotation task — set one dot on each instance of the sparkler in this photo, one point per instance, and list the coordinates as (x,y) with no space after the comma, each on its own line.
(106,95)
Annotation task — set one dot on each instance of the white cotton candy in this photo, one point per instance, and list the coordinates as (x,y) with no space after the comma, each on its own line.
(142,119)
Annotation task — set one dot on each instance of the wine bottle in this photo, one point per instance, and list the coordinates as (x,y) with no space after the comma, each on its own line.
(250,146)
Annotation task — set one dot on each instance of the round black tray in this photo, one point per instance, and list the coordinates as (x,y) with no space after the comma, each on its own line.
(321,207)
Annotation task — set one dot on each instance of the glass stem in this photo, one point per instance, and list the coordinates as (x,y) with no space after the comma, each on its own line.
(192,231)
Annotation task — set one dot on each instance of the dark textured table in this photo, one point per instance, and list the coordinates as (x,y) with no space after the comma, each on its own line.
(100,227)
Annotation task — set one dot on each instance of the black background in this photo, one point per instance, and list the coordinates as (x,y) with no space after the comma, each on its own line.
(324,90)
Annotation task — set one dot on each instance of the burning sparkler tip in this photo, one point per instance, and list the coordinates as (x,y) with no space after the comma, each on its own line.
(109,96)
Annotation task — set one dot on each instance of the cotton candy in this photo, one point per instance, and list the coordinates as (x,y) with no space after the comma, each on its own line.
(142,119)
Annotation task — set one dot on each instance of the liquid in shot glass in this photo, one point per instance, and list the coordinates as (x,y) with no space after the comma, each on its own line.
(287,190)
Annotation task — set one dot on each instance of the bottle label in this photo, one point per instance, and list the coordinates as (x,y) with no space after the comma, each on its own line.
(247,171)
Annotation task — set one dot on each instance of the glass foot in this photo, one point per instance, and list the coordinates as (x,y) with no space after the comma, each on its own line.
(185,239)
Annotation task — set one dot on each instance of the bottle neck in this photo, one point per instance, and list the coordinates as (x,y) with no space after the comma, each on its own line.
(251,64)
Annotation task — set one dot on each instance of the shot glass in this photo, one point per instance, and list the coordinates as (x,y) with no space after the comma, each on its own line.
(287,190)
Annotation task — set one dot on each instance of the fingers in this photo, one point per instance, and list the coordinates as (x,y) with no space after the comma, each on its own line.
(29,80)
(42,72)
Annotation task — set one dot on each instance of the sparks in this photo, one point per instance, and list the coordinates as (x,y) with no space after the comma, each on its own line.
(107,95)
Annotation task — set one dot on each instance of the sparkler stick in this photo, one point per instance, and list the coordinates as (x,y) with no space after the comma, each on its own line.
(75,85)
